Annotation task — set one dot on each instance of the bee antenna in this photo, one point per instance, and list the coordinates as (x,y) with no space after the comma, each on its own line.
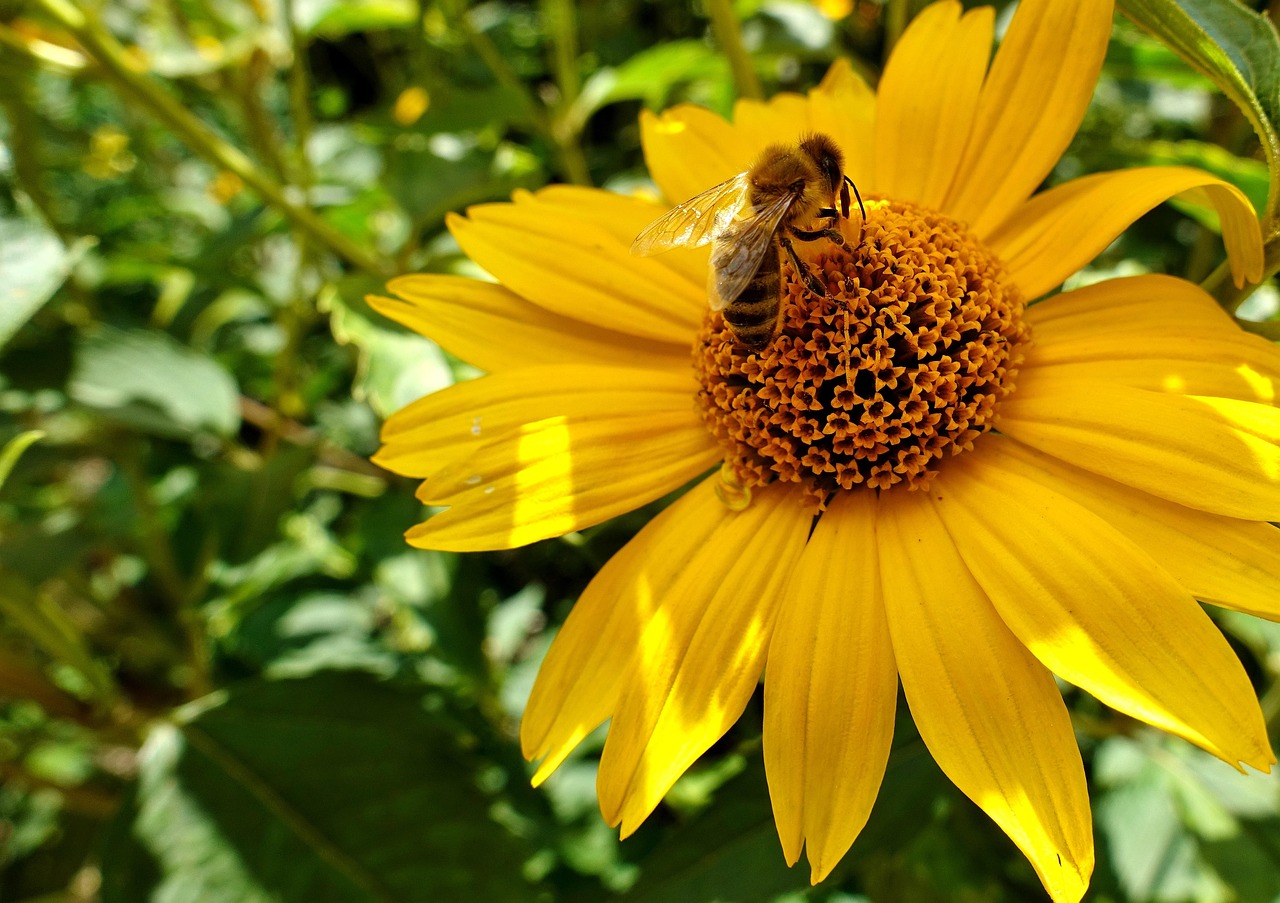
(856,195)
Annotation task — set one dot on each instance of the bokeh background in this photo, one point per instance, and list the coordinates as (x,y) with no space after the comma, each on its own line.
(224,678)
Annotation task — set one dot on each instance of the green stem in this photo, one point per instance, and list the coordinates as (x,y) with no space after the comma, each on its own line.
(1220,284)
(897,14)
(725,25)
(573,164)
(562,26)
(108,53)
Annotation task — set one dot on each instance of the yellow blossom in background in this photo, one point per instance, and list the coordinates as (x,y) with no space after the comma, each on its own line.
(411,103)
(939,482)
(835,10)
(109,155)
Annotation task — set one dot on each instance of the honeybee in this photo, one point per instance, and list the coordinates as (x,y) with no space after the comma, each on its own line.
(752,218)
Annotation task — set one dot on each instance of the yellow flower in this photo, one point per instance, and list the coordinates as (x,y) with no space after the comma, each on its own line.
(1006,493)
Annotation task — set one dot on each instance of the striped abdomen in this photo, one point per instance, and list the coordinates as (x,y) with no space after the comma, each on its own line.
(753,315)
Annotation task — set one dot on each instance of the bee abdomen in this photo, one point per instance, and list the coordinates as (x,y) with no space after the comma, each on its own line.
(753,315)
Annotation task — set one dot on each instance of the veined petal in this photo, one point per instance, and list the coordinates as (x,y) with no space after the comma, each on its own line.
(688,149)
(1060,230)
(454,424)
(1097,610)
(1129,302)
(1048,61)
(927,99)
(623,217)
(491,327)
(1227,562)
(585,669)
(1215,454)
(1175,375)
(700,656)
(1150,332)
(830,689)
(844,107)
(517,465)
(580,270)
(990,714)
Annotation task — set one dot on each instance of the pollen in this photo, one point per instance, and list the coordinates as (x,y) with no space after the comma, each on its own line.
(901,365)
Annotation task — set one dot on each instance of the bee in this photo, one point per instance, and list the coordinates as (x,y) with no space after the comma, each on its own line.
(752,218)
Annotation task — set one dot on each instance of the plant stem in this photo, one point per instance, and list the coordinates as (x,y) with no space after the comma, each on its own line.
(896,15)
(561,24)
(573,164)
(112,57)
(725,25)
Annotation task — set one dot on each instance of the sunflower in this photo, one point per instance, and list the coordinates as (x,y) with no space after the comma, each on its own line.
(921,478)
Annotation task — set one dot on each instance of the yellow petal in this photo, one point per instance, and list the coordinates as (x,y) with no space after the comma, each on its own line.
(782,118)
(518,464)
(1176,375)
(1060,230)
(845,108)
(1228,562)
(1217,455)
(1133,302)
(1150,332)
(624,218)
(830,689)
(578,269)
(454,424)
(927,99)
(578,684)
(1096,609)
(492,328)
(1032,102)
(990,714)
(699,658)
(688,149)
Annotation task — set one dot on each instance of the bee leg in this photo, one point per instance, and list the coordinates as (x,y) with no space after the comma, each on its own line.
(814,283)
(830,235)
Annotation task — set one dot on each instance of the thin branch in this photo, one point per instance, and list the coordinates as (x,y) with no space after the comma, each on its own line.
(112,57)
(725,26)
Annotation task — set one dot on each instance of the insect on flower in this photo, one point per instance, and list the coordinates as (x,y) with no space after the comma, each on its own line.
(752,218)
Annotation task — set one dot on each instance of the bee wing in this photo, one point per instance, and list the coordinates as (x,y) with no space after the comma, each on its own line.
(695,222)
(737,257)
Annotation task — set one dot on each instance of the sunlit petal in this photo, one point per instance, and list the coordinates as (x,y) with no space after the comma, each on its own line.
(491,327)
(927,98)
(1228,562)
(1218,455)
(830,689)
(585,668)
(1032,102)
(990,714)
(1098,611)
(700,656)
(1060,230)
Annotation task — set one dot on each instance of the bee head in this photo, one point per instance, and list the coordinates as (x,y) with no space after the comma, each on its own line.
(826,157)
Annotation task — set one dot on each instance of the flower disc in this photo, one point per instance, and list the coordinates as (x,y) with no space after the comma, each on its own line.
(902,363)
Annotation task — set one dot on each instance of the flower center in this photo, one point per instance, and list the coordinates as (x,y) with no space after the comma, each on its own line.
(899,366)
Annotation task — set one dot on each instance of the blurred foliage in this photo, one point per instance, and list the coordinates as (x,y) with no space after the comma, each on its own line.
(223,675)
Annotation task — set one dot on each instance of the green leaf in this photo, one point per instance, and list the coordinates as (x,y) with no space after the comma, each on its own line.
(154,384)
(33,265)
(335,18)
(1236,47)
(332,789)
